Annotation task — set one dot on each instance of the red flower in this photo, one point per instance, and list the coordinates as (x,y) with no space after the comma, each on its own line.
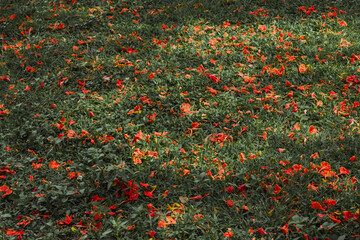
(96,198)
(347,215)
(329,202)
(313,130)
(11,232)
(316,205)
(242,188)
(230,203)
(211,90)
(54,165)
(195,198)
(342,23)
(315,155)
(277,189)
(149,194)
(145,185)
(67,220)
(228,234)
(285,229)
(151,233)
(4,188)
(229,189)
(152,117)
(137,137)
(262,231)
(30,69)
(344,171)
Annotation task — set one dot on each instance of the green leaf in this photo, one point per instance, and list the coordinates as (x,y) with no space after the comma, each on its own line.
(342,237)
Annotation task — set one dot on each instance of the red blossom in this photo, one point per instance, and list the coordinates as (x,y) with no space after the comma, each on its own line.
(228,234)
(285,228)
(54,165)
(229,189)
(313,130)
(316,205)
(262,231)
(230,203)
(343,170)
(151,233)
(67,220)
(96,198)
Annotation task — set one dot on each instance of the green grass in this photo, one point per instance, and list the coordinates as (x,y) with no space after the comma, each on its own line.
(179,119)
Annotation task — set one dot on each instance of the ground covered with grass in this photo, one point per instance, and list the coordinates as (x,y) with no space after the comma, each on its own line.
(179,119)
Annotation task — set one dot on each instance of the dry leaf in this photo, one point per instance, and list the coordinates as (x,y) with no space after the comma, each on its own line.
(183,199)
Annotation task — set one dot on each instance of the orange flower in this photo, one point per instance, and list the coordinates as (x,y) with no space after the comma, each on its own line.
(170,220)
(162,223)
(262,28)
(71,133)
(302,68)
(296,127)
(185,108)
(211,90)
